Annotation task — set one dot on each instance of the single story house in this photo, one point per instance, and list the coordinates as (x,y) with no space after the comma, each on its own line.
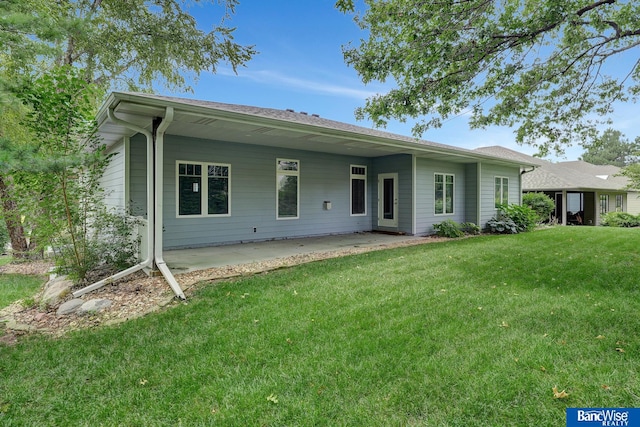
(205,173)
(582,191)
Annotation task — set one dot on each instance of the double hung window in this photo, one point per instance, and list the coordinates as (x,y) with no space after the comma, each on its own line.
(203,189)
(443,197)
(501,191)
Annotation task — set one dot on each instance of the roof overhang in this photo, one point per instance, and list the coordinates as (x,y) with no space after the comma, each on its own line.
(273,128)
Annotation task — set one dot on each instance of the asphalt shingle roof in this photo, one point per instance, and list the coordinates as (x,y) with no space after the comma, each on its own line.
(573,175)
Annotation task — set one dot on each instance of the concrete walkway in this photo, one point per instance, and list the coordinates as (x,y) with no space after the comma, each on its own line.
(186,260)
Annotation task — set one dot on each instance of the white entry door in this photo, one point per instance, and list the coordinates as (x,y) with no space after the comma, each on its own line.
(388,200)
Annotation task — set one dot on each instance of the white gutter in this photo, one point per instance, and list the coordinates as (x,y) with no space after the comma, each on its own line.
(155,227)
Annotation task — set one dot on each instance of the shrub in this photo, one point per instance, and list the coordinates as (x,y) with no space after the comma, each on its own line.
(111,244)
(470,228)
(448,228)
(452,229)
(512,219)
(541,204)
(620,219)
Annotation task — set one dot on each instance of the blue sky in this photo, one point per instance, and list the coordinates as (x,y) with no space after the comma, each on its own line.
(300,66)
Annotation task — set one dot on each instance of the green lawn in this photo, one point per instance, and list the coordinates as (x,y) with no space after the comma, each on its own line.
(17,286)
(471,332)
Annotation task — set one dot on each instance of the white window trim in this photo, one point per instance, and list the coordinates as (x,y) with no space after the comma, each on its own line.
(353,176)
(444,194)
(204,190)
(287,173)
(502,189)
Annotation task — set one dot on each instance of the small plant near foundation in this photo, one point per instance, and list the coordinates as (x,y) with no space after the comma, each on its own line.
(448,228)
(513,219)
(452,229)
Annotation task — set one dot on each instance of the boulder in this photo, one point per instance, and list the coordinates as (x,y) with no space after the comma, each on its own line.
(55,290)
(69,307)
(93,306)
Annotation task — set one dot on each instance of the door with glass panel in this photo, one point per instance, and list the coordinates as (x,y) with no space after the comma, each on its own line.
(388,200)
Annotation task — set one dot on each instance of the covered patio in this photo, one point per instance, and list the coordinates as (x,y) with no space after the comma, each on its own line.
(188,260)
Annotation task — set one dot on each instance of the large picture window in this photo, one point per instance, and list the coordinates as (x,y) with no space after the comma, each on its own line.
(203,189)
(358,190)
(501,191)
(444,185)
(288,188)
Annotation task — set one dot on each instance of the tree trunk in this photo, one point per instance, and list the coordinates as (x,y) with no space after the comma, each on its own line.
(12,221)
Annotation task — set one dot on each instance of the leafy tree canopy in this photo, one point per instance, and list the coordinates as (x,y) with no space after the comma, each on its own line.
(612,148)
(534,65)
(129,44)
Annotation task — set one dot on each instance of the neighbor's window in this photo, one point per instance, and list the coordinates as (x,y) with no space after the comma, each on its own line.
(604,203)
(358,190)
(288,188)
(501,191)
(203,189)
(443,193)
(619,206)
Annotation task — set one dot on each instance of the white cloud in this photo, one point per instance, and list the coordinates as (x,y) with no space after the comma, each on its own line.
(278,79)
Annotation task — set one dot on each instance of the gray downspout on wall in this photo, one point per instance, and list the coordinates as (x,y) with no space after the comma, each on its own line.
(154,228)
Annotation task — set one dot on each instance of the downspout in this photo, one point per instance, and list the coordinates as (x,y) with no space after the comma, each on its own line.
(522,172)
(152,228)
(158,140)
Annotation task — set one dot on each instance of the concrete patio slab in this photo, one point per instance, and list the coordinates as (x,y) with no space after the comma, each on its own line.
(187,260)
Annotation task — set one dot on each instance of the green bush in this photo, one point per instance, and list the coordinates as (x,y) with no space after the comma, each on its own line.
(541,204)
(470,228)
(452,229)
(512,219)
(448,228)
(620,219)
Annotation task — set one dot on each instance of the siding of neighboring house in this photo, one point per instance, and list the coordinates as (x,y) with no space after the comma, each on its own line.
(402,165)
(425,183)
(113,179)
(323,177)
(611,197)
(633,202)
(487,195)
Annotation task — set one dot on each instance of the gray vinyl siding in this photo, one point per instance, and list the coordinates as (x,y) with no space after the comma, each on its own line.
(113,178)
(323,177)
(138,176)
(402,164)
(487,200)
(425,195)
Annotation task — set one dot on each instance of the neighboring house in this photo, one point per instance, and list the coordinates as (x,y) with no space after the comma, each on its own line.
(222,173)
(586,190)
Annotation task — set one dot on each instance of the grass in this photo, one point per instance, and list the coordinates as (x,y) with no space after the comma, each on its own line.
(471,332)
(17,286)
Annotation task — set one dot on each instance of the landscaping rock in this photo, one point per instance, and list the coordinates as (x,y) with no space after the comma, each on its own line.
(55,290)
(70,307)
(93,306)
(20,327)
